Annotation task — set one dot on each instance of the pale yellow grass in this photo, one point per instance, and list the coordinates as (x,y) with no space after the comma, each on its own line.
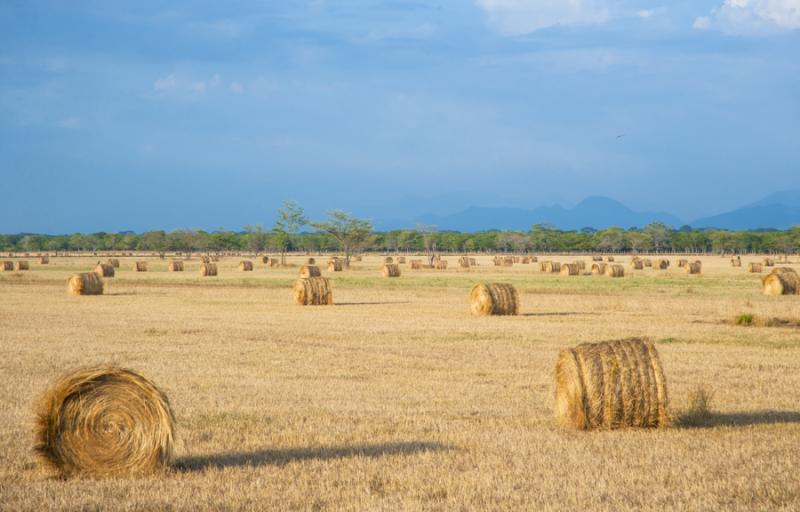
(397,398)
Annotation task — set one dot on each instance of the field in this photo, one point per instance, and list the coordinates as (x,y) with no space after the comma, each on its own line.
(396,398)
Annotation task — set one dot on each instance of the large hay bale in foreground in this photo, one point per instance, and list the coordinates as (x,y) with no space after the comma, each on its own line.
(246,266)
(612,384)
(314,291)
(694,268)
(104,270)
(23,265)
(307,271)
(755,267)
(569,269)
(104,421)
(615,270)
(335,266)
(208,269)
(781,281)
(175,266)
(598,269)
(114,262)
(140,266)
(87,283)
(7,266)
(494,299)
(391,270)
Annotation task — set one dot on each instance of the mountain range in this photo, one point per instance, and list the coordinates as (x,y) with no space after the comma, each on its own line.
(780,210)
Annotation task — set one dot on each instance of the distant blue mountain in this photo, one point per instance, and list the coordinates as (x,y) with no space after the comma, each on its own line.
(780,210)
(595,212)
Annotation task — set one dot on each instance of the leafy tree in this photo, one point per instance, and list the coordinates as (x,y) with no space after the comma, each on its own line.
(351,234)
(291,218)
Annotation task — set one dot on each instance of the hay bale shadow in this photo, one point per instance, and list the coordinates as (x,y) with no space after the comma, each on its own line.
(737,419)
(280,457)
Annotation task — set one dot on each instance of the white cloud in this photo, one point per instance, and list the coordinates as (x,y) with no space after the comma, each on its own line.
(702,22)
(646,13)
(69,123)
(754,16)
(517,17)
(178,85)
(236,87)
(167,83)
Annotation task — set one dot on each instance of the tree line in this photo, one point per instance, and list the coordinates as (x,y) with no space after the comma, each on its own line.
(340,231)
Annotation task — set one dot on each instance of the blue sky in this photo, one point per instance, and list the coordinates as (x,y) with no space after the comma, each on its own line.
(138,115)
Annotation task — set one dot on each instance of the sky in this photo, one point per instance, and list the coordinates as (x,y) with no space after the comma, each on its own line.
(206,114)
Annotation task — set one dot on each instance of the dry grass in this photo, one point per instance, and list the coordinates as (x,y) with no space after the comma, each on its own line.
(398,399)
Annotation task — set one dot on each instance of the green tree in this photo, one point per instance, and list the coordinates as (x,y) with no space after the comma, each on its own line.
(291,218)
(351,234)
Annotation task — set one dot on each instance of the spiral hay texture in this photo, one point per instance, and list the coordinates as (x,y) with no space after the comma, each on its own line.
(569,269)
(87,283)
(494,299)
(104,421)
(175,266)
(313,291)
(104,270)
(246,266)
(552,267)
(609,385)
(598,269)
(208,269)
(307,271)
(615,270)
(781,281)
(391,270)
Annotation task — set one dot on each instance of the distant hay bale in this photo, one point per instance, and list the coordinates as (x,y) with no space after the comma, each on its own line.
(494,299)
(552,267)
(208,269)
(416,264)
(781,281)
(647,262)
(205,259)
(307,271)
(23,265)
(44,260)
(388,259)
(581,264)
(104,270)
(615,270)
(597,258)
(313,291)
(104,421)
(695,267)
(755,268)
(570,269)
(610,259)
(401,260)
(598,269)
(311,261)
(682,263)
(335,266)
(391,270)
(140,266)
(440,265)
(246,266)
(610,385)
(661,264)
(114,262)
(463,262)
(175,266)
(736,262)
(508,261)
(526,260)
(8,266)
(86,283)
(636,264)
(473,262)
(497,260)
(274,262)
(543,266)
(265,260)
(357,258)
(769,262)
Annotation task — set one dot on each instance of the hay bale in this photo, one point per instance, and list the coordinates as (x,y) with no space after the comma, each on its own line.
(391,270)
(494,299)
(610,259)
(246,266)
(22,265)
(104,270)
(140,266)
(401,260)
(388,260)
(265,260)
(416,264)
(104,421)
(175,266)
(311,261)
(581,264)
(8,266)
(609,385)
(570,269)
(205,259)
(473,262)
(552,267)
(307,271)
(508,261)
(636,264)
(781,281)
(313,291)
(208,269)
(598,269)
(615,270)
(440,265)
(274,262)
(44,260)
(463,262)
(335,265)
(682,263)
(769,262)
(597,258)
(86,283)
(694,268)
(755,267)
(736,262)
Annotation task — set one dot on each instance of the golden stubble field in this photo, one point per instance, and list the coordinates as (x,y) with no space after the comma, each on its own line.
(397,399)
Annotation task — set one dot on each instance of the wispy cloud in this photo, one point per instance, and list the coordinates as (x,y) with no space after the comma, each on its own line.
(179,85)
(752,17)
(518,17)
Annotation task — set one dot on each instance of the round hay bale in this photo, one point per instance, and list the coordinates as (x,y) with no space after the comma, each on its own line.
(104,421)
(508,261)
(335,265)
(86,283)
(581,264)
(175,266)
(44,260)
(307,271)
(313,291)
(416,264)
(609,385)
(597,258)
(769,262)
(463,262)
(401,260)
(636,264)
(569,269)
(441,265)
(694,267)
(736,262)
(23,265)
(615,270)
(755,267)
(311,261)
(534,259)
(494,299)
(781,281)
(8,266)
(265,260)
(552,267)
(391,270)
(610,259)
(647,262)
(598,269)
(661,264)
(388,260)
(246,266)
(104,270)
(208,269)
(140,266)
(682,263)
